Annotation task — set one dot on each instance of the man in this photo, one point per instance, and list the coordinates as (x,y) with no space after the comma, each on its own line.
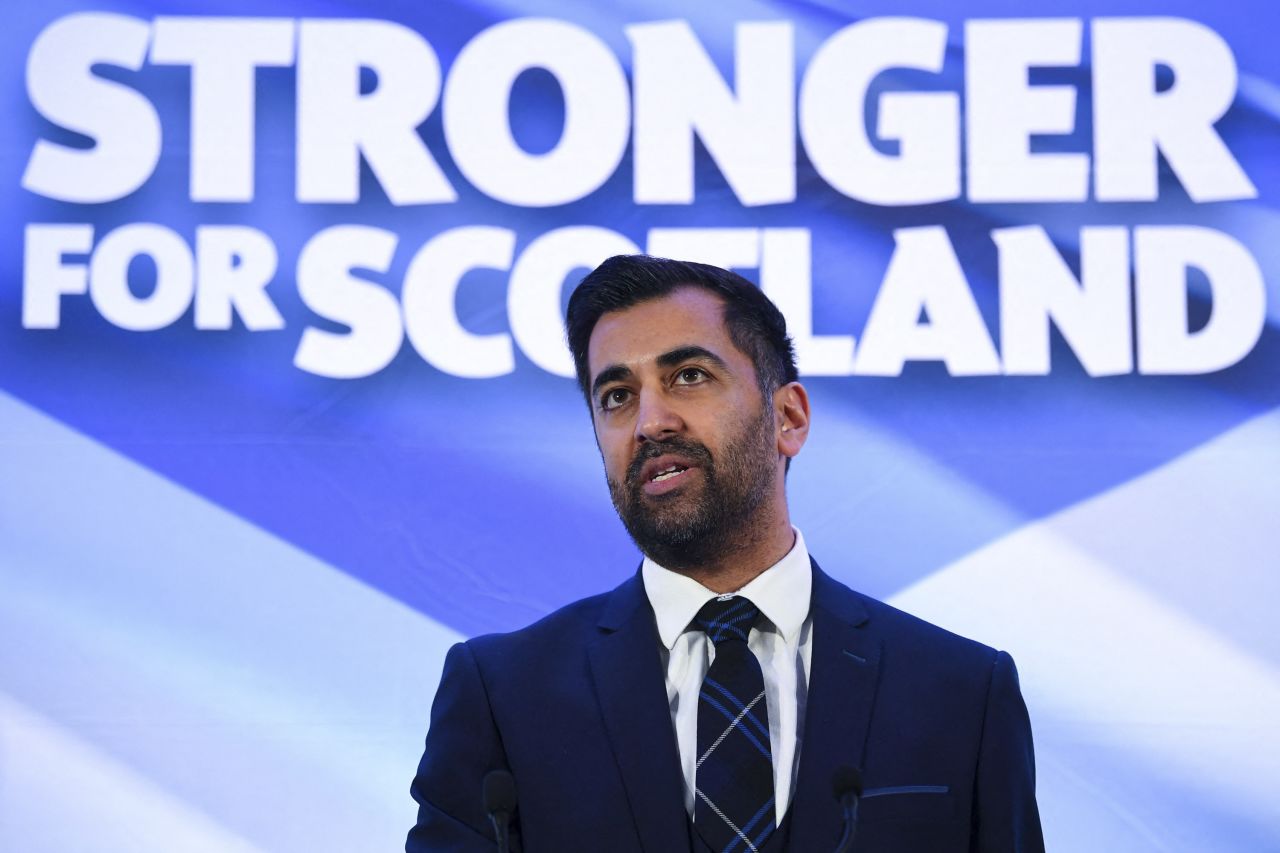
(729,696)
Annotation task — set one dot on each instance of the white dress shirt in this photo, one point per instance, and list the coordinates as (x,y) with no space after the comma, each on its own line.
(780,641)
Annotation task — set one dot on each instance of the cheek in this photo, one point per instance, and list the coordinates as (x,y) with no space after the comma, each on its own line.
(613,451)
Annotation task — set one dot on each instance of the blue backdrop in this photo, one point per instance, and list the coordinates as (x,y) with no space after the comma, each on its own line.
(237,533)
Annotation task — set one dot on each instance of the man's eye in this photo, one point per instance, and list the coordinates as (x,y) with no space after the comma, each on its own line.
(613,398)
(690,375)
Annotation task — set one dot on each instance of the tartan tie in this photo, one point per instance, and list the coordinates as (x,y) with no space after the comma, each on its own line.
(733,805)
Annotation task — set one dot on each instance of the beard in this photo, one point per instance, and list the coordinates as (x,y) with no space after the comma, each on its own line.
(700,522)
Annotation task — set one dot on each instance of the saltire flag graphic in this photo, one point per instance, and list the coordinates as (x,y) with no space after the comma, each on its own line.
(229,574)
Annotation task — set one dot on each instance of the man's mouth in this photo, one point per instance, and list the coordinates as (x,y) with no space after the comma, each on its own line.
(659,469)
(667,473)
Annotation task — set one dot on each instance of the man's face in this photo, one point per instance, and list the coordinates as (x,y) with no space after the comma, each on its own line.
(689,445)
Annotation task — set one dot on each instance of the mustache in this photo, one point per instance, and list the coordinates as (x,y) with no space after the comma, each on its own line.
(690,451)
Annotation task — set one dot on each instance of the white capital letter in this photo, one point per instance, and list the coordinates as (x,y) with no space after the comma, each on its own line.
(749,131)
(926,126)
(1003,110)
(328,288)
(786,277)
(1237,294)
(234,265)
(924,275)
(1131,120)
(45,278)
(337,124)
(121,121)
(430,293)
(109,277)
(1036,285)
(222,53)
(537,289)
(597,116)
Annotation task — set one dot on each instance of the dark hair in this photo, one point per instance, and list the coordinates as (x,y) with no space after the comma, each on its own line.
(755,325)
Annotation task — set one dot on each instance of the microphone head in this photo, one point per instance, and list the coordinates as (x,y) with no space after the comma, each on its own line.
(846,780)
(499,792)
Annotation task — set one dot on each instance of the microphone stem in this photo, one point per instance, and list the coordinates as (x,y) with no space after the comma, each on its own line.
(850,804)
(500,830)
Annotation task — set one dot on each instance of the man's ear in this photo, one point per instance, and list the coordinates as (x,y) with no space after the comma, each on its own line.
(791,413)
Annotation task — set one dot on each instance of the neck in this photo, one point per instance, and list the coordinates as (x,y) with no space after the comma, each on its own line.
(741,561)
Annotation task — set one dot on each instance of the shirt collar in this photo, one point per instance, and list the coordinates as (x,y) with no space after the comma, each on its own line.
(780,591)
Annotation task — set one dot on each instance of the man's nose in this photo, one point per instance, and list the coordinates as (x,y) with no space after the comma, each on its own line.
(656,419)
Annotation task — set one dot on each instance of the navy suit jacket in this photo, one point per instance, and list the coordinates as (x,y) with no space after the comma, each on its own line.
(575,707)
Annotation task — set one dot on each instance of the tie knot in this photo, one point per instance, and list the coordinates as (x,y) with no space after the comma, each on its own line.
(727,618)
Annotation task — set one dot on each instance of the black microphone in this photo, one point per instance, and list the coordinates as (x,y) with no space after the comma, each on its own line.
(499,802)
(846,782)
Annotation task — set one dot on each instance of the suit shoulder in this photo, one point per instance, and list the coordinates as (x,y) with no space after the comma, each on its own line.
(896,628)
(571,625)
(912,632)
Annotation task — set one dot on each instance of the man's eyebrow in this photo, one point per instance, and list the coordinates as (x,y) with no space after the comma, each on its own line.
(691,352)
(612,373)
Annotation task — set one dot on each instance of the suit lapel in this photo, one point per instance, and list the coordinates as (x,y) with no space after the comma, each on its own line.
(844,672)
(630,687)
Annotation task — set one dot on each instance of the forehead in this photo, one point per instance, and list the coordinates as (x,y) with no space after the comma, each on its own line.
(642,332)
